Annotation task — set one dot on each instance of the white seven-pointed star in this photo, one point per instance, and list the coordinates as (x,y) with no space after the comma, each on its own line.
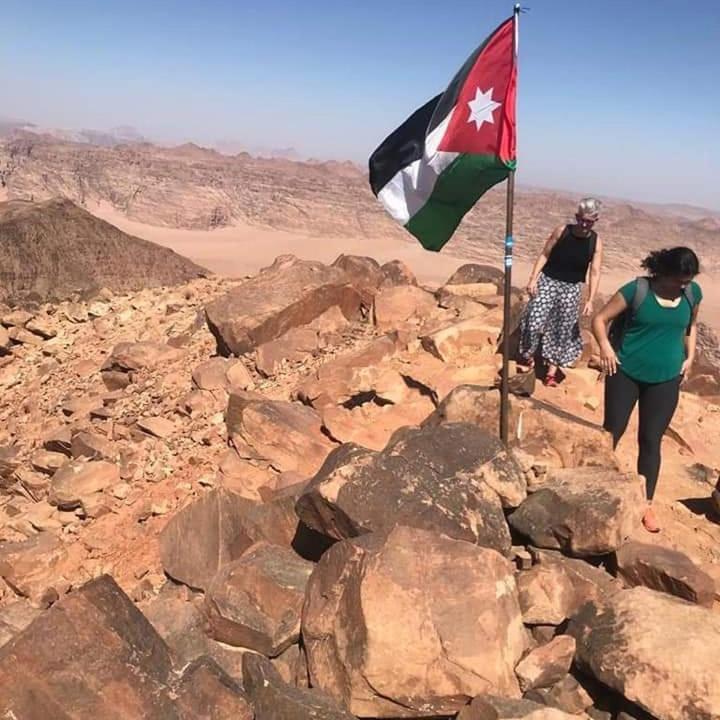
(482,108)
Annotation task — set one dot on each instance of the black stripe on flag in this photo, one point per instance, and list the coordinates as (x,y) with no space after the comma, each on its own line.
(401,148)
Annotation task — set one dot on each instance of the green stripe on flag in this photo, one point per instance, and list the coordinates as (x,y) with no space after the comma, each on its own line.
(456,191)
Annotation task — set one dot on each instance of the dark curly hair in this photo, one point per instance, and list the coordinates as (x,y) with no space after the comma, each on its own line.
(672,262)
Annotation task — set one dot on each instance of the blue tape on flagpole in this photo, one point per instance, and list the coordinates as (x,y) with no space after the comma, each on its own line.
(508,250)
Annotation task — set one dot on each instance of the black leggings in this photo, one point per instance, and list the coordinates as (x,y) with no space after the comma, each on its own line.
(657,405)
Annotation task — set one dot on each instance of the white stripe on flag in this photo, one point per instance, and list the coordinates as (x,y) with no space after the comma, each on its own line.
(410,188)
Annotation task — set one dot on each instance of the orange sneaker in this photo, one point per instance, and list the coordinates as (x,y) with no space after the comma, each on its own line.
(649,521)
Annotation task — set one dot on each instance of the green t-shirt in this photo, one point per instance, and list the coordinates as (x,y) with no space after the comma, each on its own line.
(653,346)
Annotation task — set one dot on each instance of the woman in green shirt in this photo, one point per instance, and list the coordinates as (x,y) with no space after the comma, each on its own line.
(651,351)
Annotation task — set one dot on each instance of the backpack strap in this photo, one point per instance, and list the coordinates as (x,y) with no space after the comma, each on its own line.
(642,286)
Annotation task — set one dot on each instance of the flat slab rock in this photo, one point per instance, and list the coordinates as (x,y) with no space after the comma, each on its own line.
(451,479)
(288,294)
(658,651)
(412,624)
(582,511)
(666,570)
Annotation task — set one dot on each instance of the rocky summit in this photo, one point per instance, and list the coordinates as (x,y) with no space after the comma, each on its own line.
(283,498)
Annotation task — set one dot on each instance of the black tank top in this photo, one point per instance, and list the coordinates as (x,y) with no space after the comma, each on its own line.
(571,256)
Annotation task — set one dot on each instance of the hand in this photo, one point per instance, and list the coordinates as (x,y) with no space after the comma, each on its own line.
(608,359)
(588,309)
(531,287)
(686,369)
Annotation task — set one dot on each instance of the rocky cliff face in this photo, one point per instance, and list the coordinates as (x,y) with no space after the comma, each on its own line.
(197,188)
(53,248)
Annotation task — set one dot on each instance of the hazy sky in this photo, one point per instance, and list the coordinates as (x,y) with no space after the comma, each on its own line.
(617,98)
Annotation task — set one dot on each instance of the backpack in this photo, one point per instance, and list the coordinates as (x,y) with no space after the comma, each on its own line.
(618,327)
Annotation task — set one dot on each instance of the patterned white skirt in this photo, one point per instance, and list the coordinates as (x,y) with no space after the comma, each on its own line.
(553,318)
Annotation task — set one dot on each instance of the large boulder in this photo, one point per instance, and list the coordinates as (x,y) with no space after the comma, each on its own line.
(547,664)
(93,654)
(255,602)
(582,511)
(288,294)
(363,272)
(543,430)
(217,529)
(393,307)
(666,570)
(474,335)
(451,479)
(658,651)
(274,699)
(472,273)
(412,624)
(131,357)
(395,273)
(286,435)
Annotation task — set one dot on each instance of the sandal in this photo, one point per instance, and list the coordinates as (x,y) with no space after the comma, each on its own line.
(550,381)
(524,365)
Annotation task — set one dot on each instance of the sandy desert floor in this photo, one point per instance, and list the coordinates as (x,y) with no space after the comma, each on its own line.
(244,249)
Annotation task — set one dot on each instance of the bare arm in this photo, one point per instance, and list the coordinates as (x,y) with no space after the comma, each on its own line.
(600,325)
(543,258)
(594,273)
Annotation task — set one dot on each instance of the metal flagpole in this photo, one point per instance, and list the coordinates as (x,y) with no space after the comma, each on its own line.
(505,380)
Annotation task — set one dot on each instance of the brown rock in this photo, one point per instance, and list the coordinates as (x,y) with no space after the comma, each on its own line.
(546,665)
(583,511)
(395,306)
(358,373)
(59,440)
(77,480)
(473,273)
(294,346)
(9,461)
(541,429)
(81,406)
(255,602)
(290,293)
(364,272)
(129,357)
(292,666)
(5,342)
(14,618)
(222,374)
(395,273)
(286,435)
(42,327)
(158,427)
(206,692)
(444,479)
(91,655)
(24,337)
(217,529)
(546,595)
(665,570)
(461,631)
(94,447)
(30,567)
(471,335)
(658,651)
(16,318)
(274,699)
(488,707)
(47,462)
(567,695)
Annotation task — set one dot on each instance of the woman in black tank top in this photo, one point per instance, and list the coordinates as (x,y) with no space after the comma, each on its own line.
(552,318)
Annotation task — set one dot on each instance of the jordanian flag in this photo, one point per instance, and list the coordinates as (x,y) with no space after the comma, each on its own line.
(447,154)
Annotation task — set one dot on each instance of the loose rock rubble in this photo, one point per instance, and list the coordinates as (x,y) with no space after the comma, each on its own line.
(284,499)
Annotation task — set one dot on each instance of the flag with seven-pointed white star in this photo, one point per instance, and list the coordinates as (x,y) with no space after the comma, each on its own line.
(446,155)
